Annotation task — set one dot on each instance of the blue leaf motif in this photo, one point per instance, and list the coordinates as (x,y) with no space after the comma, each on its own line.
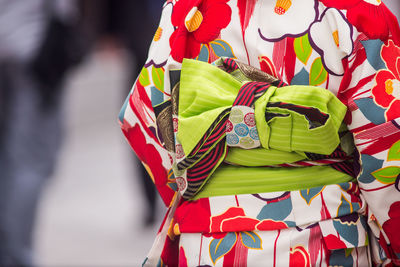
(345,186)
(344,207)
(301,78)
(310,194)
(220,247)
(370,164)
(251,240)
(157,97)
(371,111)
(373,51)
(276,211)
(290,223)
(347,231)
(173,186)
(204,53)
(338,257)
(222,48)
(347,207)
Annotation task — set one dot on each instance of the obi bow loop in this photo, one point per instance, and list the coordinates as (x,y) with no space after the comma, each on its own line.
(292,119)
(205,92)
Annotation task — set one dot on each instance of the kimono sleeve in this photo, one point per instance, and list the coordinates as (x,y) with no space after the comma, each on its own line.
(137,117)
(371,89)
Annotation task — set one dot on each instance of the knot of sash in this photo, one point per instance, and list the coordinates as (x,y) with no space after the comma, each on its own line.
(222,105)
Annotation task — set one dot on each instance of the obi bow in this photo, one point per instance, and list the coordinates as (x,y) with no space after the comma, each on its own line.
(214,101)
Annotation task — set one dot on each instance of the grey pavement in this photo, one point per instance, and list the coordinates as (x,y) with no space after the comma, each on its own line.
(91,209)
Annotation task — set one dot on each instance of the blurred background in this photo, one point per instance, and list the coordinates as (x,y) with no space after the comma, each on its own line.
(71,190)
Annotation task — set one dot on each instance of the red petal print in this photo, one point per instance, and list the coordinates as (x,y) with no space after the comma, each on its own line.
(391,226)
(269,225)
(394,111)
(340,4)
(333,242)
(183,45)
(182,258)
(170,252)
(215,14)
(299,257)
(394,211)
(181,9)
(379,93)
(391,54)
(216,221)
(193,216)
(369,19)
(239,224)
(374,21)
(216,18)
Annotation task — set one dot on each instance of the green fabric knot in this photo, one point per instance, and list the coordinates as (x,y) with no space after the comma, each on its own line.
(291,118)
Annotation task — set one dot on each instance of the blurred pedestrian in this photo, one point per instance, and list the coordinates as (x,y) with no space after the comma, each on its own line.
(37,48)
(129,25)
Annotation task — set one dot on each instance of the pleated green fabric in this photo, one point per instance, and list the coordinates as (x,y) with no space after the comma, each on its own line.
(205,91)
(234,180)
(290,121)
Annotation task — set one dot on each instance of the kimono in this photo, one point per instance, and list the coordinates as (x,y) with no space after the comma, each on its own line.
(271,129)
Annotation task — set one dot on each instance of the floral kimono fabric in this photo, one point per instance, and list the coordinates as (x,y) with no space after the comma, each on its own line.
(322,226)
(245,221)
(290,159)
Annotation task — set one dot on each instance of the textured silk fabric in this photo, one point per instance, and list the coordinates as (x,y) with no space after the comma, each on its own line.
(300,119)
(349,47)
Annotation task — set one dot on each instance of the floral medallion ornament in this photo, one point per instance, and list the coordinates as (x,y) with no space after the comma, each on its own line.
(241,128)
(179,151)
(181,183)
(386,92)
(197,22)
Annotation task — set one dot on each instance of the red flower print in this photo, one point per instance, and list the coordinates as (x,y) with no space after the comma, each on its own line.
(268,225)
(235,220)
(299,256)
(198,22)
(193,216)
(232,220)
(391,226)
(371,17)
(182,258)
(334,242)
(386,92)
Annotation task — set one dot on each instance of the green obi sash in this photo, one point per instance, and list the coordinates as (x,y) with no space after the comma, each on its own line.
(292,122)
